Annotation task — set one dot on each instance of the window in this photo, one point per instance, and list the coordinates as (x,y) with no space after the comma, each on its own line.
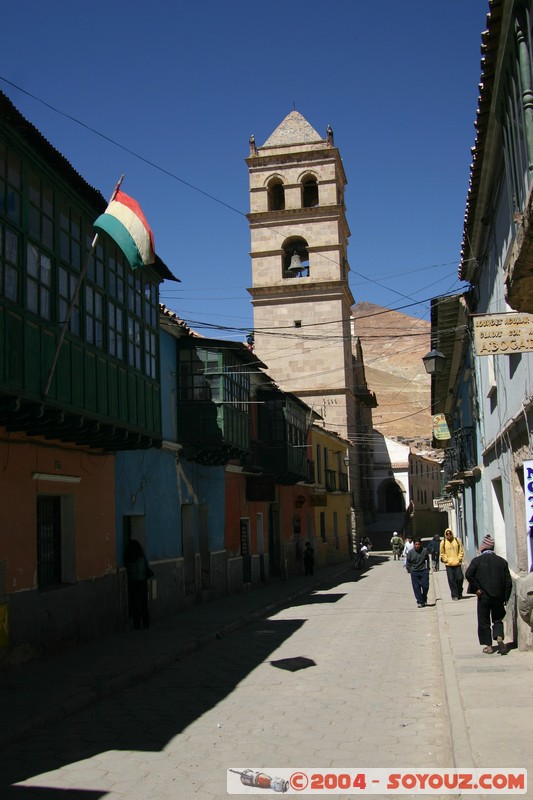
(94,317)
(41,212)
(295,246)
(66,288)
(276,195)
(319,463)
(38,282)
(309,192)
(323,525)
(10,186)
(95,267)
(70,237)
(150,353)
(9,263)
(115,341)
(134,342)
(48,541)
(514,134)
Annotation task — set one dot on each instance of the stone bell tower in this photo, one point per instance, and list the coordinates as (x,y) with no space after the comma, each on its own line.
(300,293)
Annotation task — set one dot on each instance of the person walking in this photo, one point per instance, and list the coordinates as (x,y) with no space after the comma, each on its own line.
(139,573)
(396,544)
(434,552)
(409,544)
(489,578)
(417,565)
(309,559)
(452,555)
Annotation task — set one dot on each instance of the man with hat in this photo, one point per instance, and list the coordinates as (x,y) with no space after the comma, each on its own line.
(490,579)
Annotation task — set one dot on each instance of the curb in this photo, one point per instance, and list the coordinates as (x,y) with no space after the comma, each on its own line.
(459,737)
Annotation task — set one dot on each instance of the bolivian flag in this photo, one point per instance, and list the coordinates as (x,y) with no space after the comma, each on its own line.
(125,223)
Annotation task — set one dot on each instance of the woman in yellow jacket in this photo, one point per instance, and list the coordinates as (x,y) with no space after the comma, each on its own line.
(451,555)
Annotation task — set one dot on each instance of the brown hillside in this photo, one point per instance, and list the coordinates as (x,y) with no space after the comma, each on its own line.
(393,346)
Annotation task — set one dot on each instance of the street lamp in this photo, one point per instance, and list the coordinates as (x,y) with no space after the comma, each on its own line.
(434,362)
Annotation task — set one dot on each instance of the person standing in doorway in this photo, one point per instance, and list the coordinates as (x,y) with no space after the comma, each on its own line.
(417,565)
(396,544)
(309,559)
(139,572)
(489,577)
(452,555)
(434,552)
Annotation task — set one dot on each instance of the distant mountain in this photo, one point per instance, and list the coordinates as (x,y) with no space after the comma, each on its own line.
(393,346)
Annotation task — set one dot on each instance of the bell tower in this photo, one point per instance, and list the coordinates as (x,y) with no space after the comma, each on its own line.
(300,293)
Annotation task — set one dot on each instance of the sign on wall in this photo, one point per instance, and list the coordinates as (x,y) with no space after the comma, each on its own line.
(497,334)
(528,494)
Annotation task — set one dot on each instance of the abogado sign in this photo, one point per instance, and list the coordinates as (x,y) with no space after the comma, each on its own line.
(497,334)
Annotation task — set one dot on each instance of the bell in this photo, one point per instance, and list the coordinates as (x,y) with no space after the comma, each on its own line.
(296,264)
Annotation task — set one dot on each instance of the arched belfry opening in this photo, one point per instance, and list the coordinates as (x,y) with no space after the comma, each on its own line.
(309,191)
(295,258)
(276,195)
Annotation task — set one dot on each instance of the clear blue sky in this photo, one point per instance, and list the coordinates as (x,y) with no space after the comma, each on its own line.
(183,85)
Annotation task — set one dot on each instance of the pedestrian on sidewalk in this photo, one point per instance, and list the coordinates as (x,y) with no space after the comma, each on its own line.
(434,552)
(396,544)
(309,559)
(489,578)
(409,544)
(417,565)
(139,573)
(452,555)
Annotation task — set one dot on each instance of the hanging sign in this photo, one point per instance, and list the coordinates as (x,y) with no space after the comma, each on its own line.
(440,427)
(444,503)
(497,334)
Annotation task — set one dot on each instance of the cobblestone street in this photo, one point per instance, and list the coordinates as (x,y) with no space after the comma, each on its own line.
(348,676)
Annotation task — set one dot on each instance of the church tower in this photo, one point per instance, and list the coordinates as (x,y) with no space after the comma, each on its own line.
(300,293)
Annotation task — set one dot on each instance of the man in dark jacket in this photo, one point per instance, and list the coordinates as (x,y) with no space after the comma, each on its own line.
(489,578)
(417,565)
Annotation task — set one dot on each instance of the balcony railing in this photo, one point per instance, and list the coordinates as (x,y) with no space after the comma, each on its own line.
(460,457)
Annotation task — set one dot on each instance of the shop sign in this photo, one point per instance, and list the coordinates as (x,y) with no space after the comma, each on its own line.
(443,503)
(440,427)
(503,334)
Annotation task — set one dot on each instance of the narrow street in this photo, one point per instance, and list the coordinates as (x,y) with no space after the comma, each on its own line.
(349,676)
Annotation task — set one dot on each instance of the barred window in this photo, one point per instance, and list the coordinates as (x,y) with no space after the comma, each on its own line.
(38,282)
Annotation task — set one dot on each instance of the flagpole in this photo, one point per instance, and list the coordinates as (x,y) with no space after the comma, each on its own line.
(74,299)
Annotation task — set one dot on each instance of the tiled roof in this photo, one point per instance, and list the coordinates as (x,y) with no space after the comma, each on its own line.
(490,40)
(294,129)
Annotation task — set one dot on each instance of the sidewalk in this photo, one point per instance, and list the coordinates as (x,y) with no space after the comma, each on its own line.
(490,702)
(489,698)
